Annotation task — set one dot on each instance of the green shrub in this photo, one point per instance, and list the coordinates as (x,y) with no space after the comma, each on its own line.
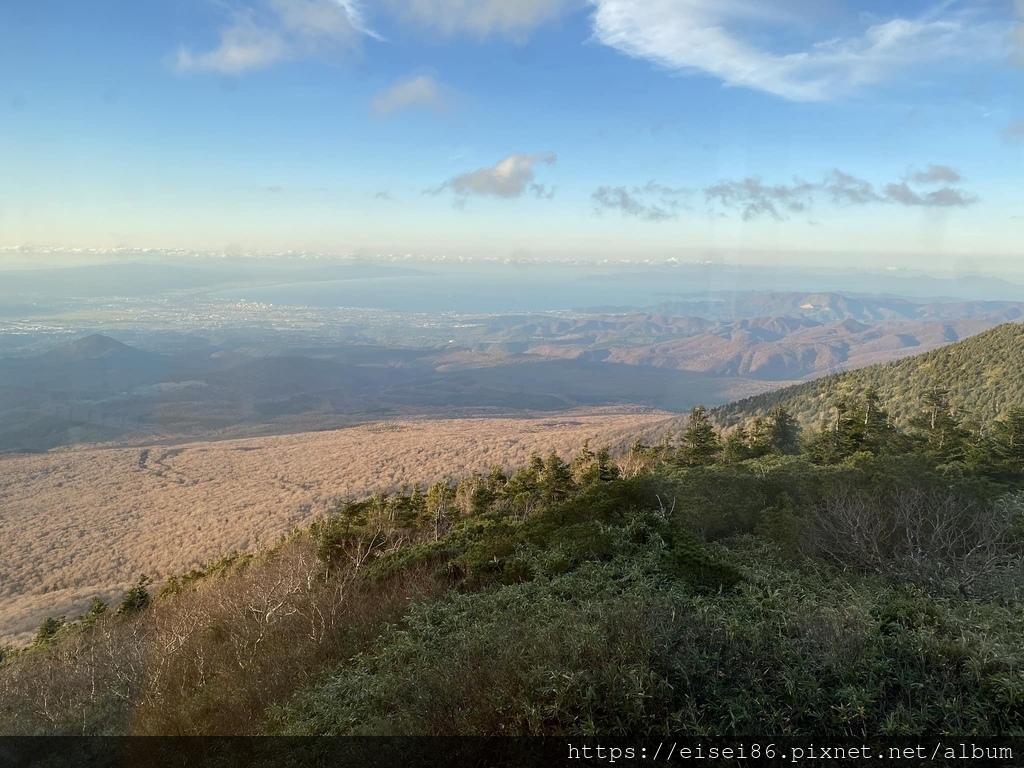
(616,649)
(48,630)
(137,598)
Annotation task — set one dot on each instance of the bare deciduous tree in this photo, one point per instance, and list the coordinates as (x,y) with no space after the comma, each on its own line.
(939,540)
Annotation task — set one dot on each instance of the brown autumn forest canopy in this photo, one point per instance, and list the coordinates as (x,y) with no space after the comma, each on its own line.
(162,509)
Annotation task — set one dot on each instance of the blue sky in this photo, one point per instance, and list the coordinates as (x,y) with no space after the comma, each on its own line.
(794,131)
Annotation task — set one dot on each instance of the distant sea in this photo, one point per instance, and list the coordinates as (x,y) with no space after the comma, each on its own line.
(468,294)
(508,289)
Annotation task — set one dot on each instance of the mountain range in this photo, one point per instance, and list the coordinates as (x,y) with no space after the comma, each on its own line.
(765,337)
(100,389)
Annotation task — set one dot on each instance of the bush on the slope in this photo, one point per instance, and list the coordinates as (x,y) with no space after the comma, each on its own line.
(615,649)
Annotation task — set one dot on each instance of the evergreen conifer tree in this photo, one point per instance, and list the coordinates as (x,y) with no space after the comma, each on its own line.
(939,426)
(783,431)
(137,598)
(735,448)
(556,482)
(700,445)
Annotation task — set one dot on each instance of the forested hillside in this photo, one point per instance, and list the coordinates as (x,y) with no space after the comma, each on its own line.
(762,582)
(983,377)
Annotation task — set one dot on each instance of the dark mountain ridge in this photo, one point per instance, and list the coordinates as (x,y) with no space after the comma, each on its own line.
(93,347)
(95,363)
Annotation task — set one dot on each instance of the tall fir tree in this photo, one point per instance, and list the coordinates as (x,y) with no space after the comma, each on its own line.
(939,427)
(700,444)
(556,482)
(783,431)
(1009,441)
(735,447)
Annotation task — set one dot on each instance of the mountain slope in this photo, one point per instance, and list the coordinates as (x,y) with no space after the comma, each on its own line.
(766,337)
(984,375)
(93,347)
(94,363)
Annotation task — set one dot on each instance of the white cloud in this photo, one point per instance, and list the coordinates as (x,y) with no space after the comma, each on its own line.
(315,18)
(845,189)
(705,36)
(619,198)
(243,46)
(415,91)
(513,19)
(652,202)
(512,177)
(936,174)
(276,30)
(945,197)
(752,198)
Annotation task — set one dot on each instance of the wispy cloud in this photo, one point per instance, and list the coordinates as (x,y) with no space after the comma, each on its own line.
(243,46)
(618,198)
(671,194)
(512,177)
(652,202)
(946,197)
(415,91)
(382,195)
(706,36)
(845,189)
(275,30)
(753,199)
(935,174)
(511,19)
